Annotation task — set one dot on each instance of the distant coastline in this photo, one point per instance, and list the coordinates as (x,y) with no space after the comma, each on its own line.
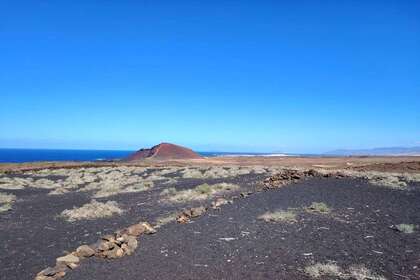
(33,155)
(9,155)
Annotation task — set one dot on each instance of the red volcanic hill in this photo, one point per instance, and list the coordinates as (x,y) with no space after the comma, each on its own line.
(164,151)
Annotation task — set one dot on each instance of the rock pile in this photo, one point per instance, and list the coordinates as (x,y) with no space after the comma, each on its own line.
(186,215)
(287,176)
(112,246)
(219,202)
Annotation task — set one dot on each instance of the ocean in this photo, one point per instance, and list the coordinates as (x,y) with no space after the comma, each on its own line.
(32,155)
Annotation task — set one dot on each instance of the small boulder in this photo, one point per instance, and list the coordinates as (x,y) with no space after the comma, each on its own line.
(115,253)
(149,228)
(85,251)
(140,228)
(131,245)
(219,202)
(198,211)
(109,237)
(105,246)
(136,230)
(68,259)
(49,271)
(182,218)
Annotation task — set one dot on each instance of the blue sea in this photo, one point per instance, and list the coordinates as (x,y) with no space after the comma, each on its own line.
(32,155)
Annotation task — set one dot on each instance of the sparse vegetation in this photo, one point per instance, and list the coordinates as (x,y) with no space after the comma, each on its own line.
(200,192)
(215,172)
(92,210)
(288,216)
(319,207)
(391,180)
(163,220)
(109,190)
(6,201)
(324,269)
(357,272)
(360,272)
(406,228)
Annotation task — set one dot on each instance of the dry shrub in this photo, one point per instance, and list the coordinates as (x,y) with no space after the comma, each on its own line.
(6,201)
(385,179)
(110,189)
(91,211)
(406,228)
(356,272)
(288,216)
(360,272)
(215,172)
(200,192)
(324,269)
(163,220)
(319,207)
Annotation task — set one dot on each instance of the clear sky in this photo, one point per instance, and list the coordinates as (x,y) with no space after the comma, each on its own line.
(291,76)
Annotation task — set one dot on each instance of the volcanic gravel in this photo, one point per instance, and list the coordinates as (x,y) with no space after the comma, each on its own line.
(232,243)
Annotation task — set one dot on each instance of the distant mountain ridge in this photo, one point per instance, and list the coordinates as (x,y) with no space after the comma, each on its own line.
(386,151)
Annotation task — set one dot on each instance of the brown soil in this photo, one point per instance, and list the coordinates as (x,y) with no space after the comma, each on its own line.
(409,164)
(164,151)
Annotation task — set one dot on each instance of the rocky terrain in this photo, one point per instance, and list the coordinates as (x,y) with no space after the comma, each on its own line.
(203,220)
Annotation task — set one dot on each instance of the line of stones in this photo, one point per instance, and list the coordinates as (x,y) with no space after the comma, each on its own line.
(124,242)
(111,246)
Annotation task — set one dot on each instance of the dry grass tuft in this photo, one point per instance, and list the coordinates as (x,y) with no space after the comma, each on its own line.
(163,220)
(388,181)
(391,180)
(216,172)
(6,201)
(406,228)
(109,189)
(360,272)
(324,269)
(200,192)
(279,216)
(91,211)
(356,272)
(319,207)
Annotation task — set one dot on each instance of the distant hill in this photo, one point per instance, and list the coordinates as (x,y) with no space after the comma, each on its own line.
(164,151)
(388,151)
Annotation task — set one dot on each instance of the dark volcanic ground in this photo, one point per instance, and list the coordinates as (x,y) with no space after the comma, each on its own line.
(32,235)
(355,232)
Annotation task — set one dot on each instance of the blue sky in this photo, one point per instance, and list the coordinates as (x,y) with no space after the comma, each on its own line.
(291,76)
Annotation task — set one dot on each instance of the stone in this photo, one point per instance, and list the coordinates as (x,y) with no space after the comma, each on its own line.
(72,265)
(122,238)
(136,230)
(115,253)
(49,271)
(105,246)
(85,251)
(182,218)
(245,194)
(67,259)
(198,211)
(132,244)
(219,202)
(109,237)
(43,277)
(149,228)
